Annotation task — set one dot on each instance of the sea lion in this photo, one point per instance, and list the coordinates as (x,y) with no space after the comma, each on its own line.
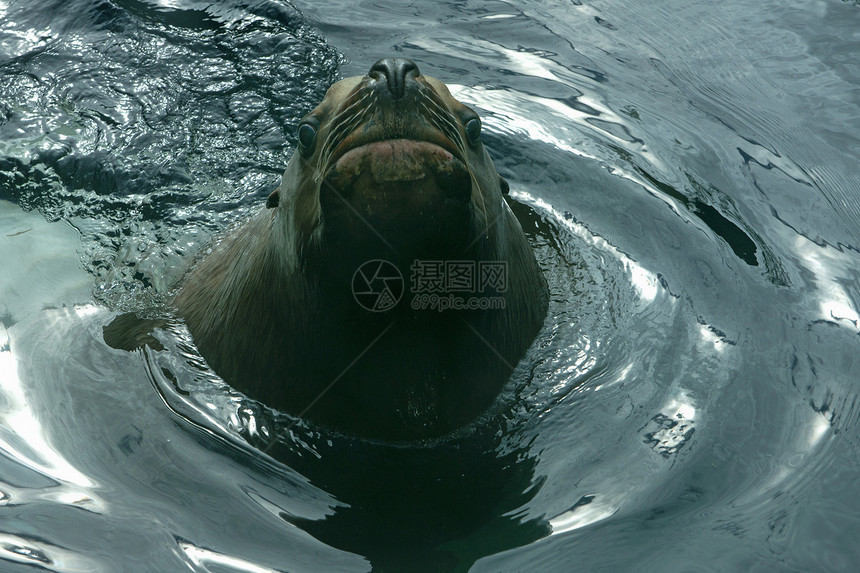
(389,168)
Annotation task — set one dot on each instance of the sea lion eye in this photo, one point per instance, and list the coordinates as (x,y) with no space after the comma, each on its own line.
(473,130)
(307,138)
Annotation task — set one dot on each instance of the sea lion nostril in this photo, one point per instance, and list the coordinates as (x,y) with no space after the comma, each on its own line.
(396,71)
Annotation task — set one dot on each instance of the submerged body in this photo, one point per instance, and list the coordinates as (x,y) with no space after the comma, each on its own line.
(390,167)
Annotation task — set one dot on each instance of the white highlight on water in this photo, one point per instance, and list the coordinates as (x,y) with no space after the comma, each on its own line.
(834,303)
(23,439)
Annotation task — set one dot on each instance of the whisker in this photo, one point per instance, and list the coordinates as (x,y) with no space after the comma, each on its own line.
(447,123)
(446,126)
(442,121)
(487,222)
(346,114)
(367,102)
(334,141)
(343,124)
(349,107)
(441,113)
(438,108)
(343,119)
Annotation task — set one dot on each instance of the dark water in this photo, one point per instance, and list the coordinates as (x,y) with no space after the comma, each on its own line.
(687,173)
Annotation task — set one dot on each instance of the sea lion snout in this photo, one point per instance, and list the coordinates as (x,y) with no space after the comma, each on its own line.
(399,154)
(394,74)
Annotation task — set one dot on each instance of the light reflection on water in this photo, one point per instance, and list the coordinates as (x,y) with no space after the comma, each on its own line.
(25,441)
(823,263)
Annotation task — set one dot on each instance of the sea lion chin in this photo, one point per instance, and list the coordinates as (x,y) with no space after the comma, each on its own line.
(389,167)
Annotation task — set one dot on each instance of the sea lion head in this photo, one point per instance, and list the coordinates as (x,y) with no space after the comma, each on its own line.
(391,163)
(389,166)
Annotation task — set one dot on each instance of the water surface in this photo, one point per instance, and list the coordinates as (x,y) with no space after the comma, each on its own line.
(685,171)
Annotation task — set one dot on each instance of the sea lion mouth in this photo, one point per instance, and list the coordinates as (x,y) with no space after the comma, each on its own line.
(365,136)
(414,194)
(389,161)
